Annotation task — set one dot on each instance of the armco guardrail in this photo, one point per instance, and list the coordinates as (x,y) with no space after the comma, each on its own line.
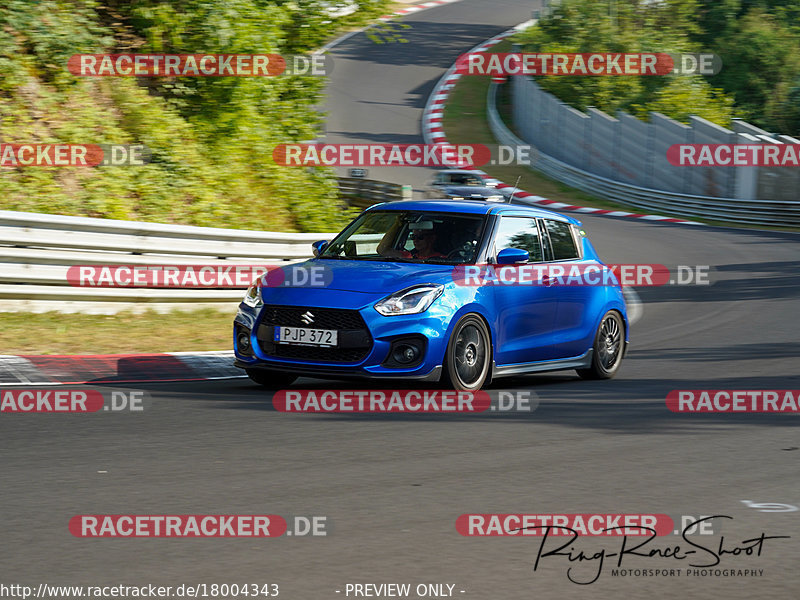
(778,213)
(366,192)
(36,251)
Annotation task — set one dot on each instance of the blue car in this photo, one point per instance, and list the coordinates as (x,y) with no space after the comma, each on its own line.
(418,290)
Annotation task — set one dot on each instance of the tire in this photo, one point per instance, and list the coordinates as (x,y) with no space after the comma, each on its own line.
(469,354)
(270,379)
(608,347)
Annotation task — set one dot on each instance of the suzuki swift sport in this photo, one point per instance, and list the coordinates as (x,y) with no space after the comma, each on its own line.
(392,301)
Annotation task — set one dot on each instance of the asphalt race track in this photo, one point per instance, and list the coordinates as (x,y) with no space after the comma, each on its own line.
(392,486)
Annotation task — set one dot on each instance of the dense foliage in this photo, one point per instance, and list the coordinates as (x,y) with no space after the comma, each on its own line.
(758,42)
(211,138)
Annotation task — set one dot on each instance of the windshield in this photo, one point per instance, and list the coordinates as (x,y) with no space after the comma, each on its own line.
(409,236)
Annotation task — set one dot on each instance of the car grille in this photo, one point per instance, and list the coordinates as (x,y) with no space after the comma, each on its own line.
(354,339)
(324,318)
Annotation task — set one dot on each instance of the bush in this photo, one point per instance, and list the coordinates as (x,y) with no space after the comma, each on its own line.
(211,138)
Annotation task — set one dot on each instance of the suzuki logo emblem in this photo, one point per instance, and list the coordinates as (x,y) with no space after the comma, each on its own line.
(307,317)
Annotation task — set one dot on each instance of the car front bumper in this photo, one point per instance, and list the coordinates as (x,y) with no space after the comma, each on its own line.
(428,329)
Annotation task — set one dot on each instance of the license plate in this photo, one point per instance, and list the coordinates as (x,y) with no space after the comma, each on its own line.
(306,337)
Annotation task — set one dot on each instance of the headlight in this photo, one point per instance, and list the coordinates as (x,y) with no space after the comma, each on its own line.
(252,297)
(410,301)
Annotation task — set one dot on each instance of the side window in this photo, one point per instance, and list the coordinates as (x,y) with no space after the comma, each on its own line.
(519,232)
(561,240)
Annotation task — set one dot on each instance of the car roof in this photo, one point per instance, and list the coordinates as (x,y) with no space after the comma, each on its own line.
(473,207)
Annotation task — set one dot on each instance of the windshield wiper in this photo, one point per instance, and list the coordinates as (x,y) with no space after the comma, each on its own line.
(362,258)
(440,260)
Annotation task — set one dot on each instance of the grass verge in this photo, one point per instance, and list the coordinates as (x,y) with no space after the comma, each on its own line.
(59,333)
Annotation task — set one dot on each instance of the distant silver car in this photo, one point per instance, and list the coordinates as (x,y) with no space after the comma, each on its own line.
(470,192)
(457,177)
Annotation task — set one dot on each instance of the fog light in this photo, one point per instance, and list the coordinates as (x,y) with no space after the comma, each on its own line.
(406,353)
(243,341)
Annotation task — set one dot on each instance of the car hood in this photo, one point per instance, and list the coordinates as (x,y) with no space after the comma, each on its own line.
(372,278)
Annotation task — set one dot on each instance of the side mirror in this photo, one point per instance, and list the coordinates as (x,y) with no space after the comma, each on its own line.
(318,247)
(512,256)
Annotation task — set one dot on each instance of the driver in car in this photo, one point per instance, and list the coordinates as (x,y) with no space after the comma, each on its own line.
(424,244)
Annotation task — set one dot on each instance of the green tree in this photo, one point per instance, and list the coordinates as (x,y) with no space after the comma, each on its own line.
(628,26)
(211,138)
(761,65)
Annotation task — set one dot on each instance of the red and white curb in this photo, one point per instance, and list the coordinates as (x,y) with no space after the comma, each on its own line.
(117,368)
(433,133)
(399,13)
